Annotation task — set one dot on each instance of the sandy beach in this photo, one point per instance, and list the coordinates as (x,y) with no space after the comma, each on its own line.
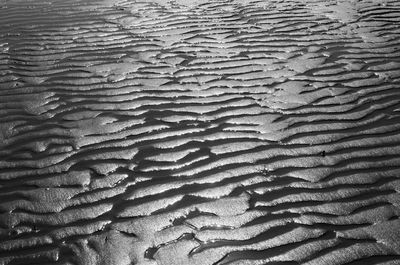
(207,132)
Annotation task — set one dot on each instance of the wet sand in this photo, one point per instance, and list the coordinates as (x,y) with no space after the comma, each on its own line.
(200,132)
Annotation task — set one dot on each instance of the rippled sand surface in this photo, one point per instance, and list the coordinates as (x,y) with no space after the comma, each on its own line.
(206,132)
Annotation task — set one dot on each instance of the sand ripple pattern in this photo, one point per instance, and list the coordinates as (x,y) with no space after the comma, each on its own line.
(200,132)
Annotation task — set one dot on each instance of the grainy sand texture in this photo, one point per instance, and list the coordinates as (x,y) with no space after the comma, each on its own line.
(200,132)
